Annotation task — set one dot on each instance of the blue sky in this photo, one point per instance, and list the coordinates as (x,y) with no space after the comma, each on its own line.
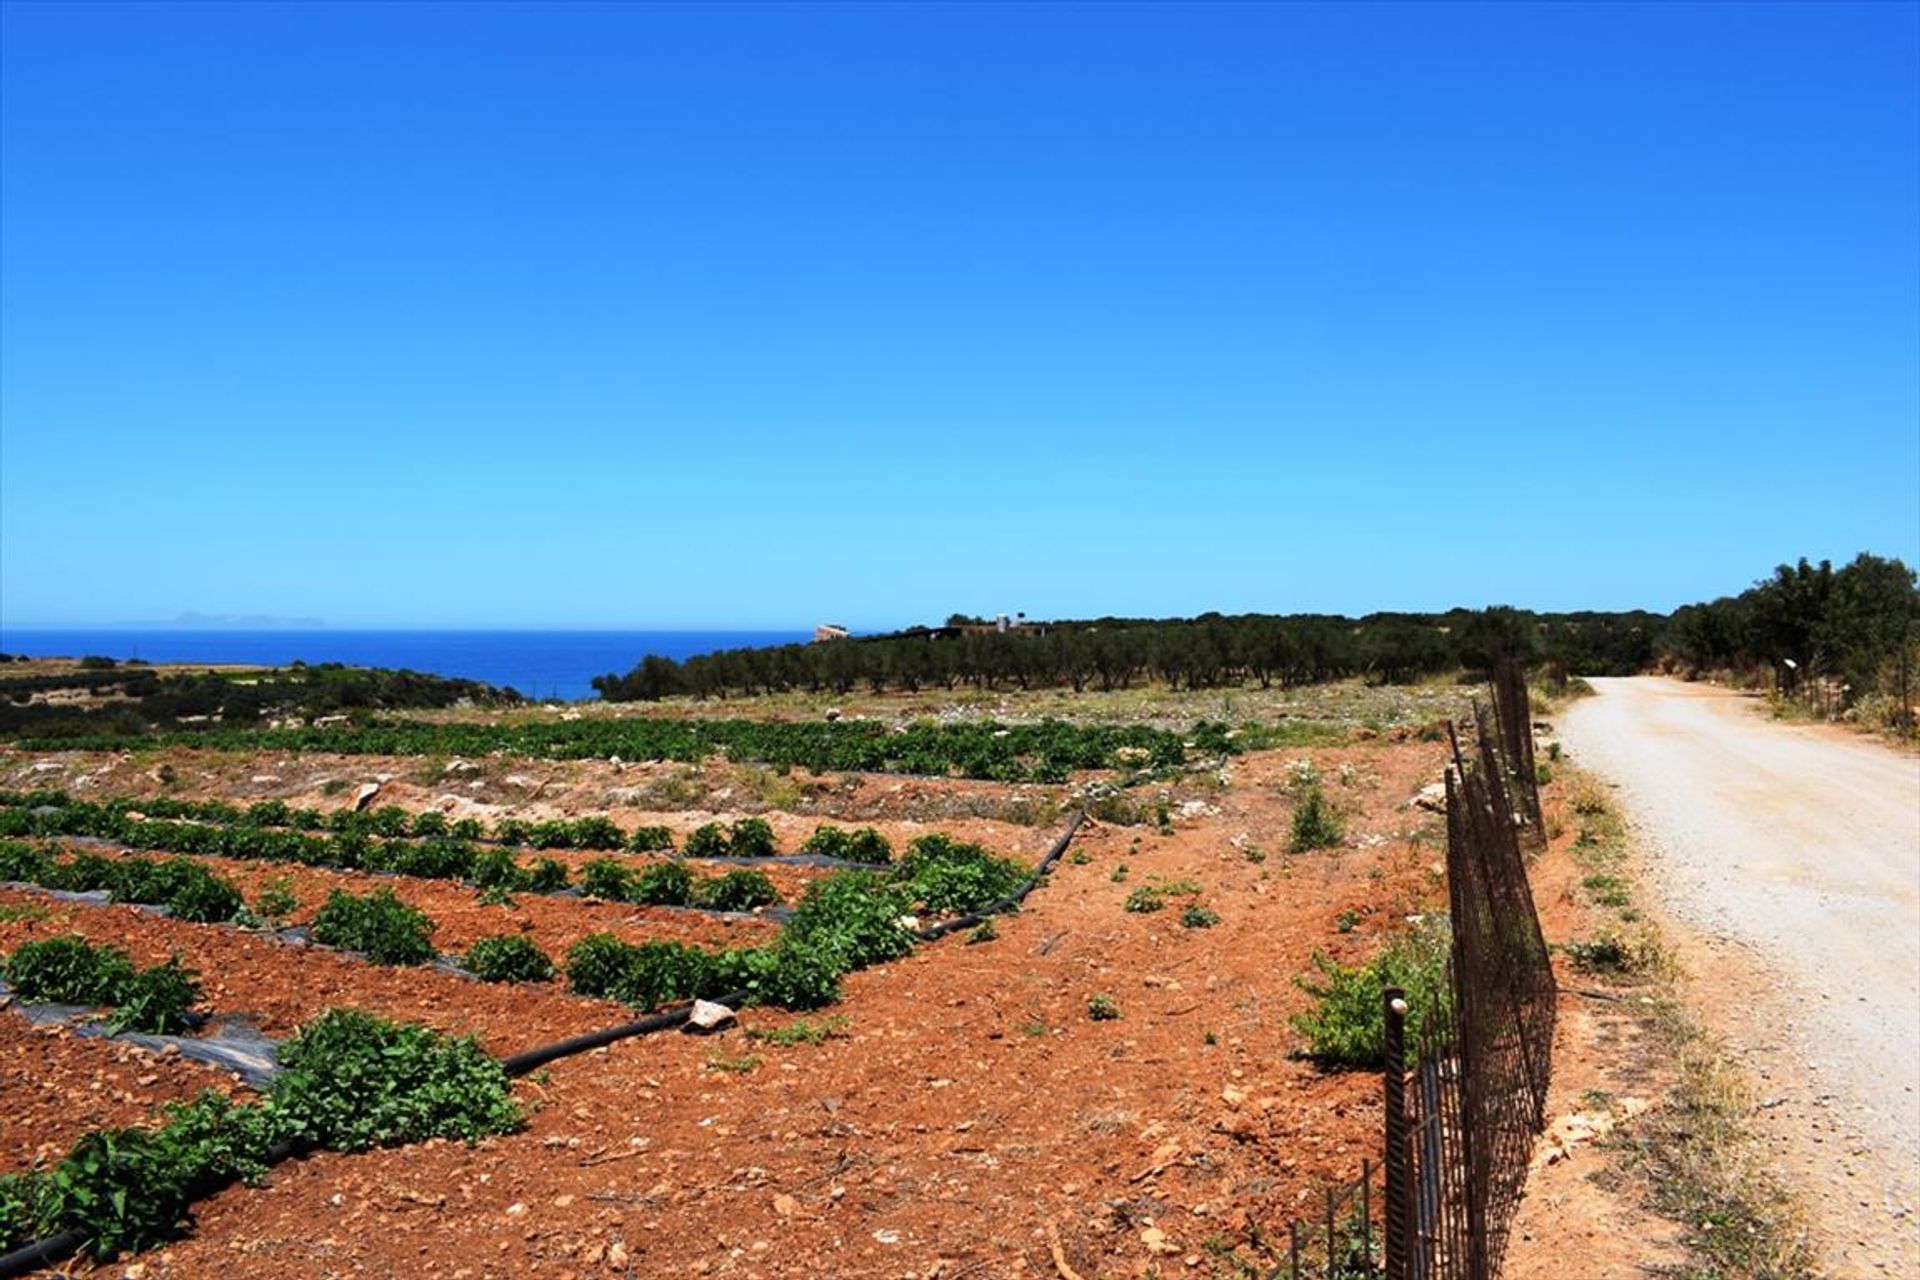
(601,316)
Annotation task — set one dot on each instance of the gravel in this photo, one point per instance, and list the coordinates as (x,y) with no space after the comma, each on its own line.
(1802,845)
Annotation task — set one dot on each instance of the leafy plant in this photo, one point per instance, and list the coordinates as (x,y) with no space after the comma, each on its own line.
(379,926)
(276,901)
(665,884)
(650,840)
(951,877)
(1195,916)
(1144,899)
(351,1081)
(1315,823)
(156,1000)
(509,959)
(738,890)
(1346,1027)
(69,970)
(752,838)
(709,840)
(606,878)
(1103,1008)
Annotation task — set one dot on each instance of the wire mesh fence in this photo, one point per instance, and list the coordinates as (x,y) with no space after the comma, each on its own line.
(1464,1101)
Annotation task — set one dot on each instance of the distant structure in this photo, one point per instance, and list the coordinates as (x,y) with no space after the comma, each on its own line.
(829,631)
(960,625)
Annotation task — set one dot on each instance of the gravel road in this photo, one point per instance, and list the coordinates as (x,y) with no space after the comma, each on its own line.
(1801,845)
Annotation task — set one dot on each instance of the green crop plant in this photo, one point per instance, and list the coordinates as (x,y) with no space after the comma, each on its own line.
(379,926)
(509,959)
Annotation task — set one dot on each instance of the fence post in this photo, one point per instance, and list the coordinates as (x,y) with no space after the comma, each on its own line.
(1399,1179)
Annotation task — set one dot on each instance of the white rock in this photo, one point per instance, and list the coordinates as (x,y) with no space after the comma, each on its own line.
(708,1016)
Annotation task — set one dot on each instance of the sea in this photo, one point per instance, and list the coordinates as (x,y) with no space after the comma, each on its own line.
(549,665)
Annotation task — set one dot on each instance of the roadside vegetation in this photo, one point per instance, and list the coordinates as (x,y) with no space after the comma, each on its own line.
(1693,1159)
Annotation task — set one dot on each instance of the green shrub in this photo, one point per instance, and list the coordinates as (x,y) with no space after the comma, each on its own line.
(665,884)
(1196,916)
(379,926)
(1103,1008)
(495,868)
(131,1189)
(1347,1025)
(155,1001)
(650,840)
(509,959)
(950,877)
(597,965)
(546,875)
(276,900)
(794,973)
(69,970)
(1315,824)
(351,1081)
(827,842)
(606,878)
(853,919)
(556,833)
(752,838)
(710,840)
(739,890)
(27,863)
(431,824)
(597,833)
(646,976)
(1144,899)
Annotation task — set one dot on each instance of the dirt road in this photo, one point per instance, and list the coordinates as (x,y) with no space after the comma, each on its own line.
(1801,848)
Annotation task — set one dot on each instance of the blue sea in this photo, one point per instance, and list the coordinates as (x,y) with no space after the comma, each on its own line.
(540,664)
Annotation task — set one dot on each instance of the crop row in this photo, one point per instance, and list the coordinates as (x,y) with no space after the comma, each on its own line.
(349,1081)
(488,867)
(748,837)
(1047,751)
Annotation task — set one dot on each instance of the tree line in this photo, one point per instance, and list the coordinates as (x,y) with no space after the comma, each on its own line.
(1210,651)
(1858,625)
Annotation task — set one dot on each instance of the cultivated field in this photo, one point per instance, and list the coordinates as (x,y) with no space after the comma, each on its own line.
(956,1110)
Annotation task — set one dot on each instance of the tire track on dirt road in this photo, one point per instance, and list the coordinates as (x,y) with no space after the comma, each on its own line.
(1802,846)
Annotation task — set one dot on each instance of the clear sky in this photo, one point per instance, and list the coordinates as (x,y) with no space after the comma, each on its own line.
(624,315)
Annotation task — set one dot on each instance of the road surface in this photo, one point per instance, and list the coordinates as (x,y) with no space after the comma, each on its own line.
(1801,845)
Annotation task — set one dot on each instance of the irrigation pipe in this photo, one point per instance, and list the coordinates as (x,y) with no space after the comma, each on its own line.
(1013,899)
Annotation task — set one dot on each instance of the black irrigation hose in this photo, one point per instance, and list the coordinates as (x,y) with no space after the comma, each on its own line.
(41,1253)
(521,1063)
(1013,899)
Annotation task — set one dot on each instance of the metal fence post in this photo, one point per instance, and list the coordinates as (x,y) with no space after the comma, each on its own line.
(1399,1179)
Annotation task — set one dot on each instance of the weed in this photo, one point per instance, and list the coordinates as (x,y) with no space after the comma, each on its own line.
(276,901)
(1607,890)
(18,912)
(1347,920)
(1103,1008)
(983,932)
(1144,899)
(1119,875)
(1347,1025)
(1315,824)
(804,1031)
(1196,916)
(1079,857)
(737,1066)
